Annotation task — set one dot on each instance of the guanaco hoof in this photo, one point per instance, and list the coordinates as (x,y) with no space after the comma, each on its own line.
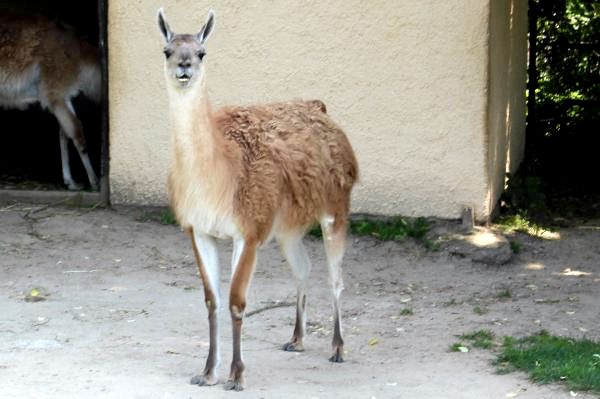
(232,385)
(293,347)
(75,187)
(203,379)
(337,357)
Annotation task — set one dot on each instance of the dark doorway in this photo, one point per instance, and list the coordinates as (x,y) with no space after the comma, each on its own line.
(30,156)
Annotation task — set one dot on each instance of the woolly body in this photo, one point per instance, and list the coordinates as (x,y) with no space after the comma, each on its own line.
(290,165)
(43,62)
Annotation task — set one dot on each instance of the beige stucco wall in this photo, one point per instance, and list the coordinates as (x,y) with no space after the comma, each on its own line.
(407,80)
(508,71)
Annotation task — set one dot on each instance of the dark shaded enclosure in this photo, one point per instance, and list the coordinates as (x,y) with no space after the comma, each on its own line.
(30,151)
(560,174)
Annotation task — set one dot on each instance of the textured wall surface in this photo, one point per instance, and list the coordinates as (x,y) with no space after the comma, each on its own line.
(508,73)
(407,80)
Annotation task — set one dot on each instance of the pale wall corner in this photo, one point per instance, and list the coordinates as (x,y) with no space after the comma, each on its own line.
(414,91)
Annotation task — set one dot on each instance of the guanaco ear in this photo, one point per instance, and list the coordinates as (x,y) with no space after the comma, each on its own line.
(207,28)
(164,26)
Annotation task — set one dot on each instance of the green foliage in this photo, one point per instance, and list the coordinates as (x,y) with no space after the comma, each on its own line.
(551,359)
(515,247)
(161,215)
(562,131)
(545,357)
(144,217)
(524,194)
(518,223)
(568,61)
(395,229)
(458,347)
(480,310)
(524,224)
(504,294)
(483,339)
(524,207)
(167,217)
(451,302)
(406,312)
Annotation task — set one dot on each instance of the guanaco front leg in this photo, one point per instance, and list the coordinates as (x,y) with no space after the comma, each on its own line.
(207,259)
(237,305)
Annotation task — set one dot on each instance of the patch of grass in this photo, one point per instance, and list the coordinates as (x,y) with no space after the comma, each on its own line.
(458,347)
(504,294)
(480,339)
(144,217)
(521,222)
(395,229)
(406,312)
(480,310)
(167,217)
(524,193)
(549,358)
(451,302)
(515,247)
(161,215)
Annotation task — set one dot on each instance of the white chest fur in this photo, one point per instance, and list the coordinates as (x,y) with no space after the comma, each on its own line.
(201,191)
(206,211)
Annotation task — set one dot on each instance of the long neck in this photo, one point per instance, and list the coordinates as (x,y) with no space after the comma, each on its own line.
(200,152)
(193,131)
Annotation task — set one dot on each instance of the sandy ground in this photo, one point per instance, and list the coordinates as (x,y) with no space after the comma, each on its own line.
(124,315)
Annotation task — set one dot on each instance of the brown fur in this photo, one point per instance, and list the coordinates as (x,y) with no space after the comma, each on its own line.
(26,40)
(44,62)
(286,160)
(296,164)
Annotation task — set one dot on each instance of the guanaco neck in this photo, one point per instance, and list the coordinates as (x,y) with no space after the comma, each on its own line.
(197,144)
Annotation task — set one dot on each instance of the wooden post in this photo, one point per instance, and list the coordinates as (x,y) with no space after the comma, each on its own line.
(104,150)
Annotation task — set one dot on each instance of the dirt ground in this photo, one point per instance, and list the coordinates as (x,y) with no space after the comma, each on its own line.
(124,317)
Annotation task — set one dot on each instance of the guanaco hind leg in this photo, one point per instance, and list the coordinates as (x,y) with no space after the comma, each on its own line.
(71,127)
(334,238)
(64,157)
(295,253)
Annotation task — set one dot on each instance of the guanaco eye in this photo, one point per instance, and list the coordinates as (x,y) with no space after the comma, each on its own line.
(201,55)
(168,53)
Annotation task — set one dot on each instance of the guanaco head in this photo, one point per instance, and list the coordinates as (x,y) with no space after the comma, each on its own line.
(184,52)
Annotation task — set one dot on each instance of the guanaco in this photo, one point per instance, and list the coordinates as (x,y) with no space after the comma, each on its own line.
(252,173)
